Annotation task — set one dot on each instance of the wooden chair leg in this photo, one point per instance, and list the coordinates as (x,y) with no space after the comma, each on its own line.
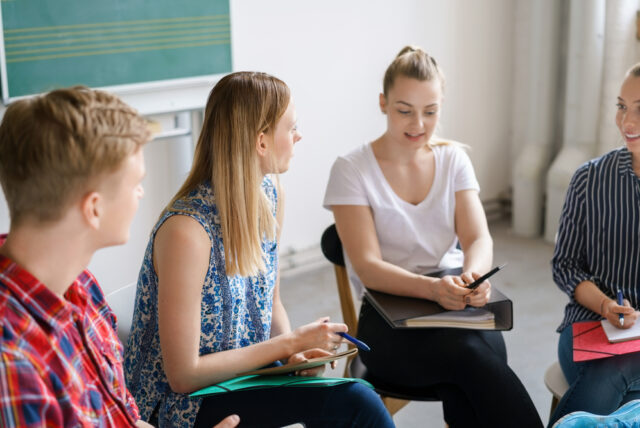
(393,405)
(554,404)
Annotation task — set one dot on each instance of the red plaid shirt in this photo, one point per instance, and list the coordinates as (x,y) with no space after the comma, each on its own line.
(60,359)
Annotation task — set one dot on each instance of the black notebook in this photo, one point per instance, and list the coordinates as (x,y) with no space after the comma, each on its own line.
(409,312)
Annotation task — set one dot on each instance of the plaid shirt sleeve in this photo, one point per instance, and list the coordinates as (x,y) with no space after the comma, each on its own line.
(25,399)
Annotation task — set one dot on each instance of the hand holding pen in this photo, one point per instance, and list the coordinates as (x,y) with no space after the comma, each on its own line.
(619,312)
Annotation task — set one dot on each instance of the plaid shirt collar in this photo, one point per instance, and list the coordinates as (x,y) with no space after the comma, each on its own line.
(39,300)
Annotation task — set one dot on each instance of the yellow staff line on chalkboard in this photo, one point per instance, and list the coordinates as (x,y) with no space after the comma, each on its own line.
(120,36)
(114,44)
(115,51)
(106,24)
(118,30)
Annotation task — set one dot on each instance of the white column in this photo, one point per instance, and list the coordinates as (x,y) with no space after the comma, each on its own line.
(535,108)
(582,103)
(619,55)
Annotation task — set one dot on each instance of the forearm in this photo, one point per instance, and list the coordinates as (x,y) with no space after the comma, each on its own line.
(590,296)
(216,367)
(478,257)
(279,320)
(383,276)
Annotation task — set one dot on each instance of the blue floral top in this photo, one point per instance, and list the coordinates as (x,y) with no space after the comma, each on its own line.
(235,312)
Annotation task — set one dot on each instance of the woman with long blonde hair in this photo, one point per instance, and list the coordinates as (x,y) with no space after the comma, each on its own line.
(208,303)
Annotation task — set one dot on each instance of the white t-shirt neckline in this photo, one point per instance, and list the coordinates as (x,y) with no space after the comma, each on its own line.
(383,179)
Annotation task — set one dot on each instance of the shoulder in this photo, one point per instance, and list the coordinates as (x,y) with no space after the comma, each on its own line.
(271,188)
(356,161)
(600,166)
(180,230)
(90,284)
(451,149)
(609,160)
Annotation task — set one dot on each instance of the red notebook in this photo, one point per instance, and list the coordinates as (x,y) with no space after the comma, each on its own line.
(590,343)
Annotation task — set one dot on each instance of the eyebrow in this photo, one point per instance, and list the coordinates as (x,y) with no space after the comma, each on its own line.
(409,105)
(634,102)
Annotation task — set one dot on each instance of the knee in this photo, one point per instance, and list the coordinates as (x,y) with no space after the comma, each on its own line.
(356,395)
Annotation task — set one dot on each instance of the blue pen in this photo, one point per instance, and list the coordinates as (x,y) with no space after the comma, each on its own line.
(358,343)
(620,302)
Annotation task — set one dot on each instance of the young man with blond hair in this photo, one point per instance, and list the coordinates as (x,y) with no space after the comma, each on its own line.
(71,167)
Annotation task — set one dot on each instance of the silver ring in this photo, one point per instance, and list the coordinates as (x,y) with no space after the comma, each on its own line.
(335,348)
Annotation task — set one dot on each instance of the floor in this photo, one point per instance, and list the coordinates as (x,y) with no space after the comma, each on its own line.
(537,304)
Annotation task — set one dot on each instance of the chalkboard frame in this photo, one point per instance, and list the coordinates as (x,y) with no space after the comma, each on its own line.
(223,66)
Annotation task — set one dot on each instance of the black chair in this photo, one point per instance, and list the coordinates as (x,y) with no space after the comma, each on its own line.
(394,396)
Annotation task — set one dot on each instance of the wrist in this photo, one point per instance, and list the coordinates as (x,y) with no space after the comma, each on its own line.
(603,306)
(428,289)
(289,344)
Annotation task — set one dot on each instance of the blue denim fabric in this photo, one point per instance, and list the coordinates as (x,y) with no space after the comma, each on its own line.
(596,386)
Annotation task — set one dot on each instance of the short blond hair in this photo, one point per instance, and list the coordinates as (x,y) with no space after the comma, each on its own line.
(55,146)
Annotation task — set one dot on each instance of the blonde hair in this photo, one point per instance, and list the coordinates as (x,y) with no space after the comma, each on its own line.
(240,107)
(415,63)
(53,147)
(634,71)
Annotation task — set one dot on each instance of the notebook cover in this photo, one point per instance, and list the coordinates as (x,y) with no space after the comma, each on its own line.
(303,365)
(590,343)
(397,309)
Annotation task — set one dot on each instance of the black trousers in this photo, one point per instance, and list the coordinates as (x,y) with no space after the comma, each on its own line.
(468,369)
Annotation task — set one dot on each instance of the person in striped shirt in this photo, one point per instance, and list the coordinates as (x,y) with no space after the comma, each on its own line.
(71,167)
(598,252)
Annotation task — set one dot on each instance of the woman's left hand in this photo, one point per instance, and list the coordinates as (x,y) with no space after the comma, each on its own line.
(481,295)
(308,354)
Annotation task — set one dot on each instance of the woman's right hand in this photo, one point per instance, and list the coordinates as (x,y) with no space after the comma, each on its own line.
(451,292)
(611,311)
(319,334)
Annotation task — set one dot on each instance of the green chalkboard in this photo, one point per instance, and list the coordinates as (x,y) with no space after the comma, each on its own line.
(48,44)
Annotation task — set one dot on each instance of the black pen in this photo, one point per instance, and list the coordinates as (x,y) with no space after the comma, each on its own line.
(484,277)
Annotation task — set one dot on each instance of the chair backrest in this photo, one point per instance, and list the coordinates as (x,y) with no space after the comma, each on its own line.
(122,302)
(332,250)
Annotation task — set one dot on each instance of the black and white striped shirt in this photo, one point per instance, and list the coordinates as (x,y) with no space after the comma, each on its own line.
(599,233)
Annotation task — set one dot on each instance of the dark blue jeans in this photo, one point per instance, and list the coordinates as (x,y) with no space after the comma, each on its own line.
(596,386)
(346,405)
(467,368)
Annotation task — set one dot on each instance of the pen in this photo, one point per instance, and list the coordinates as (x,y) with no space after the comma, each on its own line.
(358,343)
(484,277)
(620,302)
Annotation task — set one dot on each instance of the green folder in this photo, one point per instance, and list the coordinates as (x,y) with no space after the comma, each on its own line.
(264,382)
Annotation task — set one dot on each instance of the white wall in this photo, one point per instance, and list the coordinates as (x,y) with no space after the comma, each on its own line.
(333,55)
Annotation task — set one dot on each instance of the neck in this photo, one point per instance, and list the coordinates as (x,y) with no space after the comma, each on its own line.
(635,163)
(54,254)
(385,149)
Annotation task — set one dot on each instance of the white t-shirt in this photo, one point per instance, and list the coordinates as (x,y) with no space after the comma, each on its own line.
(419,238)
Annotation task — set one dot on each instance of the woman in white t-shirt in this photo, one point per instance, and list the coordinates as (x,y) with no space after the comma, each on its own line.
(401,205)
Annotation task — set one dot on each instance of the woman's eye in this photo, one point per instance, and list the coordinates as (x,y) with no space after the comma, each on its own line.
(404,111)
(621,106)
(430,113)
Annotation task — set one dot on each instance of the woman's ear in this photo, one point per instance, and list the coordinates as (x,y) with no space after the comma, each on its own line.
(91,208)
(261,145)
(383,104)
